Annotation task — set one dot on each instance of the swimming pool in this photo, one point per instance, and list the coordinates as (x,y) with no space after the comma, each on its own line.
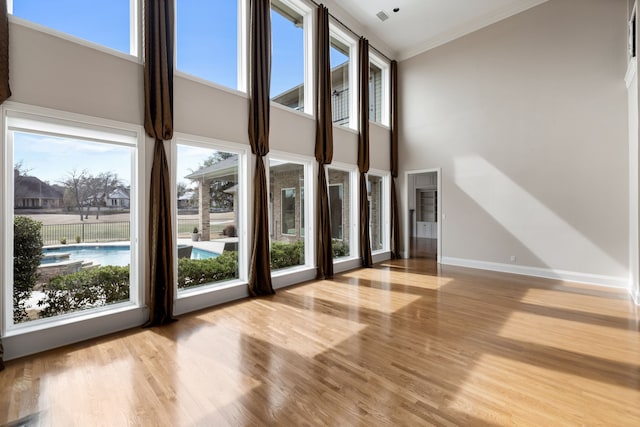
(103,254)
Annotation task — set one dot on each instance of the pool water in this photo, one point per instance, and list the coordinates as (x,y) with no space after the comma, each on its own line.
(104,255)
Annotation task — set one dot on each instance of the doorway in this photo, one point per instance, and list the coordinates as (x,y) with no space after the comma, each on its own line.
(424,229)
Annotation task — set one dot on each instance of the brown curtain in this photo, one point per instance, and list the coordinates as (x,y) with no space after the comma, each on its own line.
(259,114)
(363,150)
(324,145)
(5,92)
(158,122)
(395,219)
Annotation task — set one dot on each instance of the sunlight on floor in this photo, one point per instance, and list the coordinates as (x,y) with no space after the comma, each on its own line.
(535,225)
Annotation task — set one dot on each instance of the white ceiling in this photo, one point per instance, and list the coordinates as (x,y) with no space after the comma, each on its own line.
(420,25)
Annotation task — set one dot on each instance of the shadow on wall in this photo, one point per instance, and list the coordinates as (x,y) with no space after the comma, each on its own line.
(541,231)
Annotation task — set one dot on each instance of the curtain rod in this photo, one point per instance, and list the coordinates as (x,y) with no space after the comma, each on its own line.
(346,27)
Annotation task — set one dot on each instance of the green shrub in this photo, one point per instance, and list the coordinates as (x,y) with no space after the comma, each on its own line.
(196,272)
(340,248)
(85,289)
(27,253)
(63,240)
(78,239)
(285,255)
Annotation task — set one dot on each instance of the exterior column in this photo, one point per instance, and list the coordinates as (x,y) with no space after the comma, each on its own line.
(204,205)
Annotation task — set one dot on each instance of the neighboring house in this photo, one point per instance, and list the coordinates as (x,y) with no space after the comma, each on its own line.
(118,198)
(32,193)
(188,200)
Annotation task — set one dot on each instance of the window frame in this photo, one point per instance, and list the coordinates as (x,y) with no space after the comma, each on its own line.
(181,298)
(354,217)
(385,88)
(135,32)
(308,164)
(45,121)
(242,46)
(308,27)
(385,230)
(336,31)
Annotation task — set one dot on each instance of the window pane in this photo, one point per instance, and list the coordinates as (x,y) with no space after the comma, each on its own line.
(375,93)
(340,207)
(207,40)
(103,22)
(287,66)
(375,211)
(339,53)
(207,220)
(72,225)
(286,212)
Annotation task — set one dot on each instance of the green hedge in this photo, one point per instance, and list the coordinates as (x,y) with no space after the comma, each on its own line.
(85,289)
(27,253)
(196,272)
(285,255)
(340,249)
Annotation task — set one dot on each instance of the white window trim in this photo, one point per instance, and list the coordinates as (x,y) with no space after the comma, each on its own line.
(385,87)
(309,195)
(338,33)
(209,292)
(354,218)
(135,29)
(385,225)
(57,123)
(307,14)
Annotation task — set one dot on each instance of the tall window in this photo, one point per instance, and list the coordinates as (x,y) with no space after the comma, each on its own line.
(71,220)
(378,90)
(209,213)
(289,68)
(376,195)
(208,42)
(287,180)
(110,23)
(341,208)
(341,48)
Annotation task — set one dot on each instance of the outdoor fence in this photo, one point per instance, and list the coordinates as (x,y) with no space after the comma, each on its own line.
(54,234)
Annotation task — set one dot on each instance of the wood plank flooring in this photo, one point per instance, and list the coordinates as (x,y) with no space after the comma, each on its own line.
(404,343)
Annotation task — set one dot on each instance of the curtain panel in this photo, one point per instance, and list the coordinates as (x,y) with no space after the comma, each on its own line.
(395,217)
(324,145)
(158,122)
(5,91)
(259,116)
(363,150)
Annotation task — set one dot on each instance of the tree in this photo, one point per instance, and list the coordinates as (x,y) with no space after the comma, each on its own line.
(76,186)
(27,254)
(103,185)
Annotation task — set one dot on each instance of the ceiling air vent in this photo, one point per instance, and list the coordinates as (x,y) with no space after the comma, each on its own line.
(382,16)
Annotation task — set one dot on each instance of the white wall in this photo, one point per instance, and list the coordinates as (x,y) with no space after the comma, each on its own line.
(528,120)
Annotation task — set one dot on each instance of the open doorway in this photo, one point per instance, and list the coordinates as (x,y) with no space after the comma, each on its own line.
(423,231)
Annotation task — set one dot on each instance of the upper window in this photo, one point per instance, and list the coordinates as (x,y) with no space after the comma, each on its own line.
(342,75)
(71,229)
(208,41)
(378,90)
(209,216)
(110,23)
(290,67)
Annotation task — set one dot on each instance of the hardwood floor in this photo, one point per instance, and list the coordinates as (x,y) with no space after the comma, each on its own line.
(403,343)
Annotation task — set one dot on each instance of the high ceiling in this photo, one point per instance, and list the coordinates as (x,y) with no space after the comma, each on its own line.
(420,25)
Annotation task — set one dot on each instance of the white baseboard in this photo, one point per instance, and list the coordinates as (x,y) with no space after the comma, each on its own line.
(569,276)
